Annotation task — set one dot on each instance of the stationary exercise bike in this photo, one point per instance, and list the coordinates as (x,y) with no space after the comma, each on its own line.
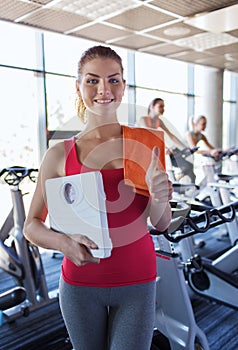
(175,325)
(219,189)
(18,257)
(182,162)
(211,167)
(215,279)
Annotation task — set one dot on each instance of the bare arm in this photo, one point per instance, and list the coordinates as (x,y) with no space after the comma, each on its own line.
(171,135)
(35,230)
(192,143)
(205,140)
(143,122)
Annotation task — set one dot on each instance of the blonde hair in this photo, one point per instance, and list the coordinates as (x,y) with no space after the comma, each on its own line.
(81,109)
(194,120)
(87,56)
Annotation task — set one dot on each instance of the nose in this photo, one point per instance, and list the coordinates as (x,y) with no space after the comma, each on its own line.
(103,88)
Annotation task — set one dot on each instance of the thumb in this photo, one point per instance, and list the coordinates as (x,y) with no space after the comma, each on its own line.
(155,157)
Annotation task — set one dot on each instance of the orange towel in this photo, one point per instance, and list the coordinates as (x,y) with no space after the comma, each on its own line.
(137,146)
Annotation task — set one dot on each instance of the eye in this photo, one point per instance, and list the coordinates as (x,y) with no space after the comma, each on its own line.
(92,81)
(113,81)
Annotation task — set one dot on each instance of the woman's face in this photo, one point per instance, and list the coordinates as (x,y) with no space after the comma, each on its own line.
(201,124)
(101,86)
(158,108)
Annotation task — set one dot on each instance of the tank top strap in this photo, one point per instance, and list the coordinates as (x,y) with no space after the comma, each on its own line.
(71,158)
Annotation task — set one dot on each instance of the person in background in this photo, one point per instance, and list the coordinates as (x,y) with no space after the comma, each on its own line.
(196,138)
(106,303)
(153,120)
(174,160)
(196,134)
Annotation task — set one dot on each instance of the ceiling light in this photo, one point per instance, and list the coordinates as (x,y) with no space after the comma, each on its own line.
(176,31)
(204,41)
(94,9)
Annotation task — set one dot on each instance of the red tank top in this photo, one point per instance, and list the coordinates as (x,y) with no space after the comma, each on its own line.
(132,260)
(149,122)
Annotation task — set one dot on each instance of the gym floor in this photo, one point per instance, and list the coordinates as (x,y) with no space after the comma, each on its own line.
(44,328)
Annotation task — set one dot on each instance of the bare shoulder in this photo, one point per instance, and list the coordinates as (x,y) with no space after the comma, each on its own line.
(54,161)
(142,121)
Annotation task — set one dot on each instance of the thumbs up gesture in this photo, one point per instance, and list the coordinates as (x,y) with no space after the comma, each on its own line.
(160,187)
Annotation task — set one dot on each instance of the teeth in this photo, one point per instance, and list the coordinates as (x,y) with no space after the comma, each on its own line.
(103,101)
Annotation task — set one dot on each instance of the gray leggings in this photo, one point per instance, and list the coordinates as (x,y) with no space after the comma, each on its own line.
(115,318)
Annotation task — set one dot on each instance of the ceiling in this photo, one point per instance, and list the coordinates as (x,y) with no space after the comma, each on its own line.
(197,31)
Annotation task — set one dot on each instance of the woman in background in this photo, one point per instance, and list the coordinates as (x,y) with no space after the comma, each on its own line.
(196,138)
(195,135)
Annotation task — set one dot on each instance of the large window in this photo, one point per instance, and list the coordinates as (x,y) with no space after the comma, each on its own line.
(18,110)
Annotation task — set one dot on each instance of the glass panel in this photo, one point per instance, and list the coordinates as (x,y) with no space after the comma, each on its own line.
(61,98)
(18,45)
(63,52)
(160,73)
(199,76)
(18,108)
(198,105)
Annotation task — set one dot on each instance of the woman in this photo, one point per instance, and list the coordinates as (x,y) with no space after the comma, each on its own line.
(174,160)
(106,303)
(198,125)
(153,120)
(196,138)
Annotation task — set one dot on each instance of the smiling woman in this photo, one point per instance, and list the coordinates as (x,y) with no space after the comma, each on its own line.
(98,297)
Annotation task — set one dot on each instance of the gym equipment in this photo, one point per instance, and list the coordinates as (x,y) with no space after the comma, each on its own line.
(175,325)
(211,169)
(222,189)
(215,279)
(182,162)
(217,189)
(18,257)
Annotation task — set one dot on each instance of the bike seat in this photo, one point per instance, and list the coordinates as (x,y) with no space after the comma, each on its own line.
(225,177)
(12,298)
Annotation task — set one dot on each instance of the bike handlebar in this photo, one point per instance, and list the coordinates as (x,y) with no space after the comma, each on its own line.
(14,175)
(209,218)
(184,153)
(223,154)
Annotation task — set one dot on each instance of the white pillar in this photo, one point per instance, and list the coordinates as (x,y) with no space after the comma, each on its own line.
(212,104)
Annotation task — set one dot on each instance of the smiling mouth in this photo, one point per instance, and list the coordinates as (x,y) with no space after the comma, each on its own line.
(103,101)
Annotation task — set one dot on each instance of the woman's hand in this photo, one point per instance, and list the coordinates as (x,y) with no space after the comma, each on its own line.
(215,152)
(160,187)
(77,247)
